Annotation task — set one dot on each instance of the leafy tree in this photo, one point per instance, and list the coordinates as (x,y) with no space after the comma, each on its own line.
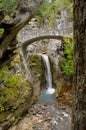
(67,61)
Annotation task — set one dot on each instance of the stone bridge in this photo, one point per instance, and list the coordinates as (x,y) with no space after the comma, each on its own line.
(31,32)
(62,26)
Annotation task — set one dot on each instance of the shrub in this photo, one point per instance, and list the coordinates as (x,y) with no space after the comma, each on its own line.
(67,60)
(11,89)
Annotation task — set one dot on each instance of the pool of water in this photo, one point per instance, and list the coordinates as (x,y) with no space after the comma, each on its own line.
(47,96)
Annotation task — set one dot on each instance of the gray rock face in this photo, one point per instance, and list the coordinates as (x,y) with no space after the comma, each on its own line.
(54,51)
(31,48)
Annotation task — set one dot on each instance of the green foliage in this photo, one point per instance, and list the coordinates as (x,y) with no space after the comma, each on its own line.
(71,13)
(8,5)
(36,66)
(11,86)
(50,9)
(44,12)
(62,4)
(67,61)
(1,31)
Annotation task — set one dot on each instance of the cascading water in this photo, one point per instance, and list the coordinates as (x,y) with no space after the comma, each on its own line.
(47,95)
(48,75)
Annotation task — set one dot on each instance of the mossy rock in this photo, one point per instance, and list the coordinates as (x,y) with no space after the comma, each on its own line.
(16,97)
(37,67)
(13,90)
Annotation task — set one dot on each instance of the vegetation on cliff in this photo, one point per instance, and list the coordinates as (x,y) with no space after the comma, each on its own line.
(67,60)
(37,67)
(13,90)
(48,11)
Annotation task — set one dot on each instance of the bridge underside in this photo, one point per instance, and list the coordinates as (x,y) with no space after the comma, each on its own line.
(30,41)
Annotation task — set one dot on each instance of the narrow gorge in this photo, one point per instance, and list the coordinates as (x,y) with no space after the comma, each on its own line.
(45,114)
(42,64)
(40,97)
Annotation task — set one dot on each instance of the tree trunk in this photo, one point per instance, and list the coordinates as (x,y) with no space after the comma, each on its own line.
(23,15)
(79,86)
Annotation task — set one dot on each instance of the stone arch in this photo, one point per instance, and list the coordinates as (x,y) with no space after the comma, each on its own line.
(30,41)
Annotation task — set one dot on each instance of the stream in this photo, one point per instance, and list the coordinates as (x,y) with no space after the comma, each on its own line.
(45,117)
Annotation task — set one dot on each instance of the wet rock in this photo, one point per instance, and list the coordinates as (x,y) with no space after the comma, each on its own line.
(34,113)
(51,117)
(40,112)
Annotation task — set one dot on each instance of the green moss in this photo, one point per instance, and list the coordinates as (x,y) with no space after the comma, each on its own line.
(1,31)
(36,66)
(67,60)
(13,90)
(16,60)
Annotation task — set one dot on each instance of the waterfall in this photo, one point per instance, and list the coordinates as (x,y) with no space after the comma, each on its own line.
(48,75)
